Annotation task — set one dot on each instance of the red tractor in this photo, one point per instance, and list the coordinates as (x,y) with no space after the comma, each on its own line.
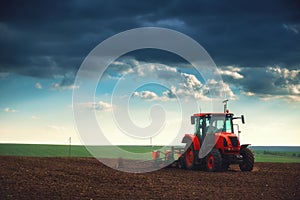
(214,146)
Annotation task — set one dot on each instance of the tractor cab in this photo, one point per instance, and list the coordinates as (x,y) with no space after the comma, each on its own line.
(217,130)
(207,124)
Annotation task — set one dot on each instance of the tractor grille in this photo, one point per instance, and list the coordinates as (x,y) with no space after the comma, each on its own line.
(234,141)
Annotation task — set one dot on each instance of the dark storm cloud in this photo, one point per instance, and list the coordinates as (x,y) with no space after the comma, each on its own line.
(266,82)
(248,34)
(48,38)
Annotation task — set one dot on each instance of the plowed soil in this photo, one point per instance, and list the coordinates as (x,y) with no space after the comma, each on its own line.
(87,178)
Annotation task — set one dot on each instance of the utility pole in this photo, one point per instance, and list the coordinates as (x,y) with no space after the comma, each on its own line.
(70,144)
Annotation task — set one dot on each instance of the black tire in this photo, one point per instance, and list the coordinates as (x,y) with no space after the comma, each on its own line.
(248,160)
(189,158)
(213,161)
(180,163)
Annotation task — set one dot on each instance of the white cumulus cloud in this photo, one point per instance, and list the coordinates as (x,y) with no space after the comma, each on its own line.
(181,85)
(58,86)
(100,105)
(38,86)
(10,110)
(271,83)
(295,28)
(152,96)
(231,71)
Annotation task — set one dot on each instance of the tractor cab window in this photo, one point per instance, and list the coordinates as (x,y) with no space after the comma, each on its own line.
(218,124)
(210,126)
(228,125)
(198,127)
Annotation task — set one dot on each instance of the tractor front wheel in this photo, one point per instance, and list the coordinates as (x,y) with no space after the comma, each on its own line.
(214,161)
(189,158)
(248,160)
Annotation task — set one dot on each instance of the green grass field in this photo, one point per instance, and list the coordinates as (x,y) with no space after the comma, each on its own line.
(41,150)
(277,156)
(37,150)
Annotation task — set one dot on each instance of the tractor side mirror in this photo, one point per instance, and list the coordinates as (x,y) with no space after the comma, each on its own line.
(192,119)
(243,119)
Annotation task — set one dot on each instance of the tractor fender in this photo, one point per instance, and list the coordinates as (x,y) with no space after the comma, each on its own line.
(189,139)
(244,145)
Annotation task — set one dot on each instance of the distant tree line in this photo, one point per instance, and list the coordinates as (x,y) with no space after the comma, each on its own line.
(278,153)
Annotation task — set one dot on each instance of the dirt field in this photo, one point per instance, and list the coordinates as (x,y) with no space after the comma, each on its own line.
(86,178)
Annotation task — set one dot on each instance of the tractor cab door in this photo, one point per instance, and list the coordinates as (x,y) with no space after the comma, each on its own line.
(199,129)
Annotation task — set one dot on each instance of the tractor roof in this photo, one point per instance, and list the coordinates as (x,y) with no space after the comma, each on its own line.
(205,114)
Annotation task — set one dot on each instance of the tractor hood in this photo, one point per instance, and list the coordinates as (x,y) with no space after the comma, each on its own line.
(228,141)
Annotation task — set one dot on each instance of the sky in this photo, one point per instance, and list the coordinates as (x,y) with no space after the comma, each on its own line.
(255,46)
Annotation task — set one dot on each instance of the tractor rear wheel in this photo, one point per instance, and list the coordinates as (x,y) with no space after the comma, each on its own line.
(248,160)
(189,158)
(214,161)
